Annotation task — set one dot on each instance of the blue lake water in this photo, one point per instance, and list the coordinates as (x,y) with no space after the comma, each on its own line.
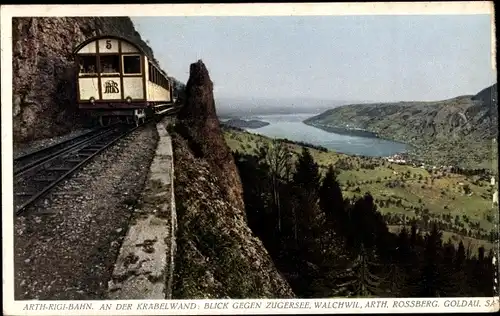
(290,126)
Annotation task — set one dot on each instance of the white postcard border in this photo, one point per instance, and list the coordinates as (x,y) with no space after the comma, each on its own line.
(261,306)
(12,307)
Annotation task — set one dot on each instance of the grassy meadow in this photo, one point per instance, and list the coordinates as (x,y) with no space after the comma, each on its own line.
(403,192)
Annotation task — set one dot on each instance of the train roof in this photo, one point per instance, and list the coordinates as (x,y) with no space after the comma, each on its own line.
(135,44)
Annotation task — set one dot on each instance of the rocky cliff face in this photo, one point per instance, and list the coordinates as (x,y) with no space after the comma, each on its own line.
(218,256)
(44,72)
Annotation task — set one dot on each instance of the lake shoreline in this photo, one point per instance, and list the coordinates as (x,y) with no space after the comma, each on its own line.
(352,143)
(355,132)
(413,151)
(241,123)
(343,131)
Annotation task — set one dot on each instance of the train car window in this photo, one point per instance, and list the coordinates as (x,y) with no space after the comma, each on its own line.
(132,64)
(150,72)
(88,65)
(110,64)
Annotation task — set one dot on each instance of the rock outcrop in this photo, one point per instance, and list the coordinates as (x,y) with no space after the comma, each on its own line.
(44,90)
(217,254)
(200,126)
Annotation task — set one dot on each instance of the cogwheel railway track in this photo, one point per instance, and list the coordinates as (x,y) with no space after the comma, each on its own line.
(37,173)
(24,163)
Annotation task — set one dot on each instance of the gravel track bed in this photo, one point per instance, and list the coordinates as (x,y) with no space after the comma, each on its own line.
(26,148)
(66,245)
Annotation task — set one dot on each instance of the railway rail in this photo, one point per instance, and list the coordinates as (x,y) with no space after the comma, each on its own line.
(39,172)
(36,173)
(24,163)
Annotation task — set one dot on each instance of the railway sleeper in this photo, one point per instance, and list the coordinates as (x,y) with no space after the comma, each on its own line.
(84,155)
(88,151)
(99,145)
(59,169)
(74,160)
(45,179)
(64,165)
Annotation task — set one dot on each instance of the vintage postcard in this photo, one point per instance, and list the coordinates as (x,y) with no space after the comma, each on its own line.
(306,158)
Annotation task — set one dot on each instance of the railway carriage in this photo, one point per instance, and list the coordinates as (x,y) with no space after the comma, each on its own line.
(117,80)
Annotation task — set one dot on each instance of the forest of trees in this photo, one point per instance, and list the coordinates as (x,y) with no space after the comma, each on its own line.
(327,245)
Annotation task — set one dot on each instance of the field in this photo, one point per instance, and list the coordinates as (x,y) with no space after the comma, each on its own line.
(473,243)
(403,192)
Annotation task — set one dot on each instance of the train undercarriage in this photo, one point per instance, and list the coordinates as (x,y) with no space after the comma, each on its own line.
(128,116)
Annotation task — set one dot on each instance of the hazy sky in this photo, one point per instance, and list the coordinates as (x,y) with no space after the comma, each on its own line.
(374,58)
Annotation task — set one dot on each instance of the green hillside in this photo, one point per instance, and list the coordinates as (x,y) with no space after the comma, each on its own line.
(458,131)
(402,192)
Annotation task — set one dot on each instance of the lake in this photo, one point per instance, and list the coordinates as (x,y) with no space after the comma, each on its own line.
(290,126)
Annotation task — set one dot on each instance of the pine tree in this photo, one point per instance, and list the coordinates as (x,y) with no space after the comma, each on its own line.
(403,246)
(331,200)
(413,235)
(306,181)
(482,275)
(458,268)
(431,279)
(276,156)
(335,261)
(256,194)
(366,225)
(395,282)
(307,173)
(358,280)
(460,257)
(450,284)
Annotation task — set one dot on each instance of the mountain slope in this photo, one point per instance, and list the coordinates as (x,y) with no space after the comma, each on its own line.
(455,131)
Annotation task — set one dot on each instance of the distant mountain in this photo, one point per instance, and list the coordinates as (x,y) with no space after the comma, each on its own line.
(456,131)
(238,107)
(246,124)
